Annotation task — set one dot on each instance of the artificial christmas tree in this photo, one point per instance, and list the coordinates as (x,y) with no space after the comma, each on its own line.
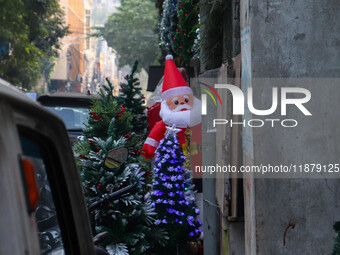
(132,99)
(173,195)
(186,32)
(168,24)
(128,219)
(179,28)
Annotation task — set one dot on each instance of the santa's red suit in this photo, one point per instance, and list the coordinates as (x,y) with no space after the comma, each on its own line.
(157,134)
(185,115)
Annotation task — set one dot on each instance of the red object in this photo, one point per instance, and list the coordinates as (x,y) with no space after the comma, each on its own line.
(157,134)
(173,83)
(153,115)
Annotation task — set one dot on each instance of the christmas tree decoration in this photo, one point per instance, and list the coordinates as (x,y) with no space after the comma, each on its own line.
(132,100)
(128,219)
(173,196)
(106,117)
(168,24)
(186,33)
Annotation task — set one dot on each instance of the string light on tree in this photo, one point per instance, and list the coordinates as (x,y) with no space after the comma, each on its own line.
(173,195)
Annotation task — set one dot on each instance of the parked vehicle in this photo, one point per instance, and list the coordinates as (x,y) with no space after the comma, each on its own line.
(72,108)
(42,207)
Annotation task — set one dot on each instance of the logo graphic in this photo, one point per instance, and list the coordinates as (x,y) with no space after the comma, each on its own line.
(238,104)
(204,97)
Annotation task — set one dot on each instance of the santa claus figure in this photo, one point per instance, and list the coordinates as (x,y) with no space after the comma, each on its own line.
(179,107)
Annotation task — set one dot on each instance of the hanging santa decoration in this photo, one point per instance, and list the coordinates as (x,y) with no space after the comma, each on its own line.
(179,107)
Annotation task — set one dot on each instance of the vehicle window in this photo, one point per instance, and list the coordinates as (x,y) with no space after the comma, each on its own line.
(45,214)
(74,118)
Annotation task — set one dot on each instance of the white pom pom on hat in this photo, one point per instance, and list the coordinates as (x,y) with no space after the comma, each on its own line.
(169,57)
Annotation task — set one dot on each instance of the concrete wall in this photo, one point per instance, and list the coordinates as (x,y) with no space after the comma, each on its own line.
(294,39)
(211,211)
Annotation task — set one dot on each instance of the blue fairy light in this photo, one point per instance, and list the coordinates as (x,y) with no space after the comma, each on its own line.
(157,193)
(171,210)
(174,192)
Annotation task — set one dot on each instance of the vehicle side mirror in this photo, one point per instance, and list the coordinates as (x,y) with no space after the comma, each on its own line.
(116,157)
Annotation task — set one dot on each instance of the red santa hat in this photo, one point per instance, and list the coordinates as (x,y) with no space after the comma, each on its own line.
(173,82)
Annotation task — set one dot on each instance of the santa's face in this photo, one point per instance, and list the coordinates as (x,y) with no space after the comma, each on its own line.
(180,102)
(182,110)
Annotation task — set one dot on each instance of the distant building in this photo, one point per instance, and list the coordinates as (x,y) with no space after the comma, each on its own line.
(84,61)
(68,74)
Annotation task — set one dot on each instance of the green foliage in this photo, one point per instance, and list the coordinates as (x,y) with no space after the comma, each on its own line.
(173,196)
(33,29)
(129,220)
(336,248)
(131,31)
(132,98)
(168,24)
(186,32)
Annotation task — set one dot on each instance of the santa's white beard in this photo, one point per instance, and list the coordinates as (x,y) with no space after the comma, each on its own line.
(182,119)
